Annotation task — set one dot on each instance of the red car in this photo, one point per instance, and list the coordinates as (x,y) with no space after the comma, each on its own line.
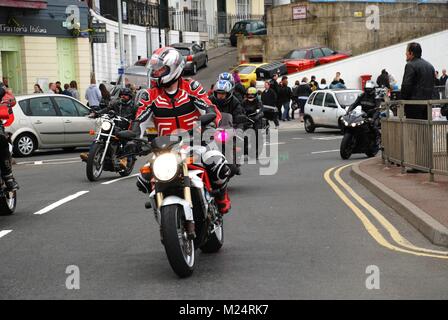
(306,58)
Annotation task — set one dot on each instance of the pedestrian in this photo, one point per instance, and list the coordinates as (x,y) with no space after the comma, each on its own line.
(303,92)
(443,79)
(239,90)
(93,95)
(393,82)
(295,99)
(51,88)
(338,82)
(74,89)
(418,82)
(66,91)
(37,88)
(383,79)
(58,87)
(105,96)
(269,100)
(284,98)
(314,85)
(323,84)
(275,86)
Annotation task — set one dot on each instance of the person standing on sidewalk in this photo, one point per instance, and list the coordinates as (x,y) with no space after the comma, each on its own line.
(303,92)
(269,100)
(93,96)
(418,82)
(275,86)
(284,98)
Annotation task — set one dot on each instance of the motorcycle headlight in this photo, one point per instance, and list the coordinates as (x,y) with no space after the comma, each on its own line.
(106,126)
(165,167)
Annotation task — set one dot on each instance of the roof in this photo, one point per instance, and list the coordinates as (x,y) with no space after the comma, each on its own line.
(40,95)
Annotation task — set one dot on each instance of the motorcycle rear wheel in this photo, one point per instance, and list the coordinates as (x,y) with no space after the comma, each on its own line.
(179,250)
(94,169)
(8,203)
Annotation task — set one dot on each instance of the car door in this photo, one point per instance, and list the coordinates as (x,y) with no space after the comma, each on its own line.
(317,55)
(77,125)
(331,110)
(46,121)
(200,55)
(317,108)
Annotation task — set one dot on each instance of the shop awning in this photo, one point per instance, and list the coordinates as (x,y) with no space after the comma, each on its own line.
(26,4)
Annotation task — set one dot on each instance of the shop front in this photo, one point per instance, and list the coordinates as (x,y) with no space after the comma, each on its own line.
(42,42)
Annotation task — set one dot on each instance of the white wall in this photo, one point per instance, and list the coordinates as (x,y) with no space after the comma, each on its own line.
(189,37)
(173,37)
(107,55)
(434,50)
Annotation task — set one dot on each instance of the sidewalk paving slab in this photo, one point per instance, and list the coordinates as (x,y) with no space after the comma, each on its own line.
(422,203)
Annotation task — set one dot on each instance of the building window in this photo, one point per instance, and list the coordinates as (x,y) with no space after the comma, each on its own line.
(243,7)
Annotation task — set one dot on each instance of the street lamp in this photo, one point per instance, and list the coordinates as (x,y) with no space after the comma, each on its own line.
(160,30)
(120,35)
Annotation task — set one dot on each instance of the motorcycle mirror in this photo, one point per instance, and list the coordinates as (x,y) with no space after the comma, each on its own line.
(207,119)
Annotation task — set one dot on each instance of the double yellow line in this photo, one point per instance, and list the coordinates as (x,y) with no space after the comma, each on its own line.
(401,244)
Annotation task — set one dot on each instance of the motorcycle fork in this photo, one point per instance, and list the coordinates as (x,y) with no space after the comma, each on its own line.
(107,143)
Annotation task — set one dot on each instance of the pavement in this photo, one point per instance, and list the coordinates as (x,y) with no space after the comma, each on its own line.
(421,202)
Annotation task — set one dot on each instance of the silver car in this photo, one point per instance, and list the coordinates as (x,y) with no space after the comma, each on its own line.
(47,121)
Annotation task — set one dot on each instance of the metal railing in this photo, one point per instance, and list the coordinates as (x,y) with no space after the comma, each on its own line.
(415,143)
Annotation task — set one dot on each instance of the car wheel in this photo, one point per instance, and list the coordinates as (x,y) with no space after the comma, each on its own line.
(206,62)
(24,145)
(309,125)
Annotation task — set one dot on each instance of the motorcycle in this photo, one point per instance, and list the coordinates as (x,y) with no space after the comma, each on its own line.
(8,199)
(183,201)
(111,152)
(226,137)
(261,127)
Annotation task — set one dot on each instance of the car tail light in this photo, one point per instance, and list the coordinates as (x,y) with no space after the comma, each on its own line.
(190,58)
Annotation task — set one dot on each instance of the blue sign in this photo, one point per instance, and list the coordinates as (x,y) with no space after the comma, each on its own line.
(121,71)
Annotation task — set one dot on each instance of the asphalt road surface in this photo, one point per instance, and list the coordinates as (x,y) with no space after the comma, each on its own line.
(297,234)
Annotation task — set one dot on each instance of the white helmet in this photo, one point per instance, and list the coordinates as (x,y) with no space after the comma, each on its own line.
(166,66)
(369,86)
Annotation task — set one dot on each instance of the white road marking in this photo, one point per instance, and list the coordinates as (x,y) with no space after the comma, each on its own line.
(4,233)
(119,179)
(274,144)
(298,138)
(61,202)
(328,138)
(39,162)
(326,151)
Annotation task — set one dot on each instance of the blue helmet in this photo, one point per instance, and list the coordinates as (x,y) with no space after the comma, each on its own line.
(225,87)
(227,77)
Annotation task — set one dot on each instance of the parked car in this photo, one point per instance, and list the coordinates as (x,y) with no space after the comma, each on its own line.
(247,28)
(248,72)
(47,121)
(325,108)
(306,58)
(195,56)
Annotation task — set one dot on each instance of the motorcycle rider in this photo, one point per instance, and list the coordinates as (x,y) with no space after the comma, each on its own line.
(225,101)
(175,103)
(6,98)
(369,104)
(252,104)
(123,107)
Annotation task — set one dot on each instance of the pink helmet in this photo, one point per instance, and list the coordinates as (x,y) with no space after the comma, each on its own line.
(166,66)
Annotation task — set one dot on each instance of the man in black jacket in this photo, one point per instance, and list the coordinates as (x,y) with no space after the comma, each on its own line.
(418,82)
(275,86)
(284,98)
(269,100)
(383,79)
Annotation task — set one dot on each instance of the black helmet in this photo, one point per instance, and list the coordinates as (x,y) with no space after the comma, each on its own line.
(126,95)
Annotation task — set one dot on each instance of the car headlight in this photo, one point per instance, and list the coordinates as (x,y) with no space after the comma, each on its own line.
(106,126)
(165,167)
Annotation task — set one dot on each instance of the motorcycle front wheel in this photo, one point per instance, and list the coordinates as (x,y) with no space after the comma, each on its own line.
(94,167)
(179,250)
(347,145)
(8,203)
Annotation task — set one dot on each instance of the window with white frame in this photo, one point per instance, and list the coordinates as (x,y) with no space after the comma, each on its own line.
(242,7)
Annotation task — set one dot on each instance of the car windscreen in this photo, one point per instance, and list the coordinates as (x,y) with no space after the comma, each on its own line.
(246,69)
(296,54)
(346,99)
(183,51)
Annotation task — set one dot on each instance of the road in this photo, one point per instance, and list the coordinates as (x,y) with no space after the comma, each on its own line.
(297,234)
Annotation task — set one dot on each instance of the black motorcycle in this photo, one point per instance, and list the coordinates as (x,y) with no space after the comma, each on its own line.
(112,151)
(261,128)
(359,135)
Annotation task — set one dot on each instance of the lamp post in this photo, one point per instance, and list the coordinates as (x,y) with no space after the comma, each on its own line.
(120,35)
(160,21)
